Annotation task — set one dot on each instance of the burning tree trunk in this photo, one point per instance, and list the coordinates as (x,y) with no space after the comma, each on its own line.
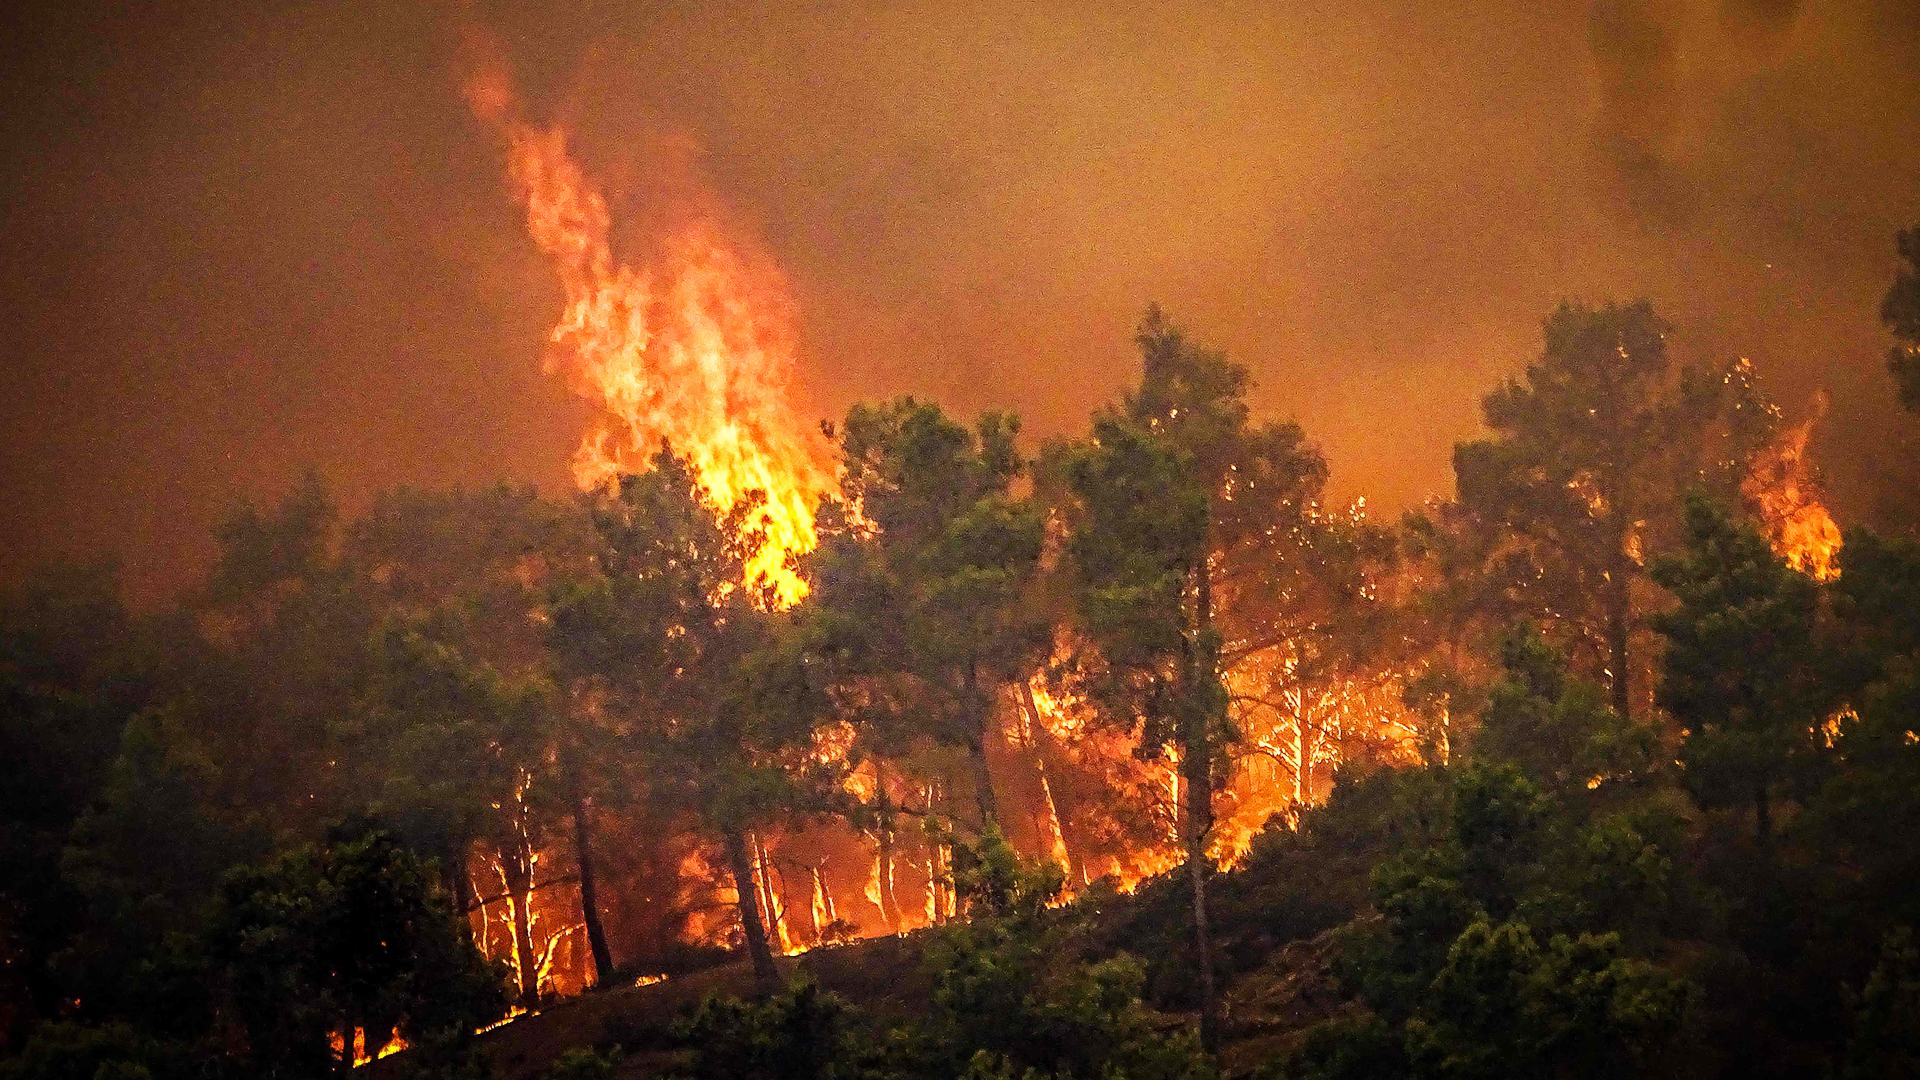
(882,893)
(589,905)
(824,915)
(939,871)
(888,900)
(770,895)
(940,905)
(516,878)
(1055,830)
(1303,751)
(740,864)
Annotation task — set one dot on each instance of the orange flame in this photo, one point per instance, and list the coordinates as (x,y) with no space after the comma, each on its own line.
(1781,488)
(362,1053)
(695,351)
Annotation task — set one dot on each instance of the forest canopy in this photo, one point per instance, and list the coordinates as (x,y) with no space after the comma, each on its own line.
(1607,766)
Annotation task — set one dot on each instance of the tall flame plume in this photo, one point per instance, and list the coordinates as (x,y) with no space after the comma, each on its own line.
(693,350)
(1782,490)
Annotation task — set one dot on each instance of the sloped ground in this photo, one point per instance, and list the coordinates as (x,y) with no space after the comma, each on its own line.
(1270,1007)
(1275,918)
(1267,1007)
(882,975)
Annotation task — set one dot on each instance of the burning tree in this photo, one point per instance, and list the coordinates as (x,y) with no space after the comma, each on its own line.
(480,757)
(708,681)
(693,348)
(1173,496)
(1314,667)
(926,584)
(464,751)
(1591,453)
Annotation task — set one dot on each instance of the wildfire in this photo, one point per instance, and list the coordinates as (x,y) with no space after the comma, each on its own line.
(693,350)
(1781,488)
(362,1053)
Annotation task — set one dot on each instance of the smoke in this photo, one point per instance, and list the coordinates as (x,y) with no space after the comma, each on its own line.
(244,241)
(1663,67)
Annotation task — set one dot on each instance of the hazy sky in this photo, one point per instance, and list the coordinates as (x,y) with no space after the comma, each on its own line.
(237,241)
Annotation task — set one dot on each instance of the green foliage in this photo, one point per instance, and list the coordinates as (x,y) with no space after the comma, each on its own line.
(933,583)
(70,1051)
(145,860)
(1499,830)
(1345,1048)
(802,1033)
(1140,535)
(1505,917)
(583,1063)
(1499,1003)
(1423,907)
(993,881)
(75,665)
(1743,667)
(260,551)
(327,939)
(1591,449)
(1885,1040)
(456,738)
(691,670)
(1009,991)
(1176,497)
(1504,1005)
(1539,898)
(1177,484)
(1555,727)
(698,672)
(1867,810)
(1014,993)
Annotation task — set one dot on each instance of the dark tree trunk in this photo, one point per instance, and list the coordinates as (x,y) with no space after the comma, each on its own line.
(343,1061)
(980,721)
(1196,764)
(765,977)
(460,887)
(1199,813)
(1762,816)
(589,902)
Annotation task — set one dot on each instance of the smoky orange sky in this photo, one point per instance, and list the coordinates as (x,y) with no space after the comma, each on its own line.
(241,239)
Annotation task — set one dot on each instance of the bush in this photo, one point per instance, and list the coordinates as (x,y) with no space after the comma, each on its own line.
(802,1033)
(583,1063)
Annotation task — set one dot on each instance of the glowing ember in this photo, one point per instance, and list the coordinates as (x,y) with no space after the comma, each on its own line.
(1781,489)
(694,351)
(513,1013)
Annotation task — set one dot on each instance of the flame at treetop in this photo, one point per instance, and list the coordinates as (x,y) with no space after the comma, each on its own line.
(694,351)
(1782,491)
